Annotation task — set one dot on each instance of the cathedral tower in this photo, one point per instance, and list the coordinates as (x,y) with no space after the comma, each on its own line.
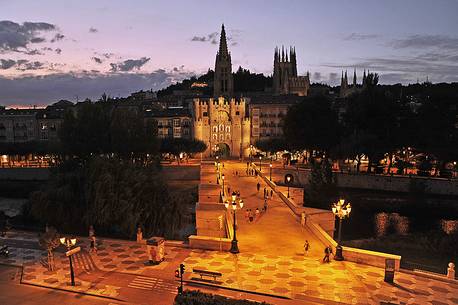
(223,82)
(285,79)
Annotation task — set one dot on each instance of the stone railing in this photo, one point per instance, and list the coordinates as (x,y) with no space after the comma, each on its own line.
(321,224)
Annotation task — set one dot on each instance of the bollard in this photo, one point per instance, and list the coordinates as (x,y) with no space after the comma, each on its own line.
(451,271)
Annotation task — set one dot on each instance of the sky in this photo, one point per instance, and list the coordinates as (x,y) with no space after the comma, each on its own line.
(52,50)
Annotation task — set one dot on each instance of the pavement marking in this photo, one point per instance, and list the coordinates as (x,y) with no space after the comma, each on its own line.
(142,282)
(151,283)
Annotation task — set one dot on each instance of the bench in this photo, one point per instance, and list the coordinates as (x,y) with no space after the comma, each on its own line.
(207,273)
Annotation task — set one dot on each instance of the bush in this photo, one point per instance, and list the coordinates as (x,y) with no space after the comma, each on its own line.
(199,298)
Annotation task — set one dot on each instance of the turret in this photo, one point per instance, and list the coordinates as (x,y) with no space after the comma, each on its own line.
(354,78)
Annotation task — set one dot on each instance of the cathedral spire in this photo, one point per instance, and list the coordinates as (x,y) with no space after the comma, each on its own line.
(223,43)
(354,78)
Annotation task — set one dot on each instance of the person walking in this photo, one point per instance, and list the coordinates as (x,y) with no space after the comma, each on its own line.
(257,213)
(93,245)
(306,247)
(250,215)
(271,193)
(265,204)
(265,192)
(326,255)
(258,186)
(229,190)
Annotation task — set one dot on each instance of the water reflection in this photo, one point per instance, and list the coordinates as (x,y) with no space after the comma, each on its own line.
(386,222)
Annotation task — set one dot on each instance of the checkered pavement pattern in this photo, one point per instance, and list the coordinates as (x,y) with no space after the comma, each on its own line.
(127,257)
(301,277)
(37,273)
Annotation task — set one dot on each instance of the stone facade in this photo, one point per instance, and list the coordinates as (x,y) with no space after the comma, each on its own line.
(222,122)
(285,78)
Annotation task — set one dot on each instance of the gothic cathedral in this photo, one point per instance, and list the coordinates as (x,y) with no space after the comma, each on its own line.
(222,122)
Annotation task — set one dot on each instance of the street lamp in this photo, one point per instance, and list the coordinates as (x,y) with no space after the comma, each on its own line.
(234,247)
(69,242)
(288,179)
(222,176)
(341,210)
(260,163)
(270,174)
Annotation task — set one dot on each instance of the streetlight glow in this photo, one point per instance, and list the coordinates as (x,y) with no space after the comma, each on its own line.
(341,210)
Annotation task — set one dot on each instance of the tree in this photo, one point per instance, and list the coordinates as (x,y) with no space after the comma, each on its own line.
(176,146)
(49,241)
(272,145)
(371,122)
(312,125)
(130,136)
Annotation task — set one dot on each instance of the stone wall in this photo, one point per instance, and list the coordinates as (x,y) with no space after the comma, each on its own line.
(436,186)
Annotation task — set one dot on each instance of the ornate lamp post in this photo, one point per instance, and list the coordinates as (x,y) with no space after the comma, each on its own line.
(341,210)
(69,243)
(234,247)
(222,177)
(270,174)
(260,163)
(288,179)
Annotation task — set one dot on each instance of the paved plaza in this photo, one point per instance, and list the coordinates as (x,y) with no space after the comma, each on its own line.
(271,261)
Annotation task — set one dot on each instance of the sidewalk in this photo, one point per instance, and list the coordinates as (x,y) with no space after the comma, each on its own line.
(272,261)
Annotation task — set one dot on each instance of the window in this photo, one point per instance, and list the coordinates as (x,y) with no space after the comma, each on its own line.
(228,128)
(205,113)
(221,128)
(237,112)
(215,137)
(221,137)
(176,122)
(228,136)
(215,128)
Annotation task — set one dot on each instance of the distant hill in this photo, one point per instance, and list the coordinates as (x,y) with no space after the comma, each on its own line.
(244,81)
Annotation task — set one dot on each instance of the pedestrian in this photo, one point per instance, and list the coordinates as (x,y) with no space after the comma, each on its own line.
(258,186)
(139,235)
(257,213)
(256,173)
(326,255)
(265,204)
(250,215)
(93,245)
(223,164)
(271,193)
(228,189)
(236,173)
(306,247)
(265,192)
(91,231)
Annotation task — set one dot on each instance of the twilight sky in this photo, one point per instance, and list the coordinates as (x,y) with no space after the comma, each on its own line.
(51,50)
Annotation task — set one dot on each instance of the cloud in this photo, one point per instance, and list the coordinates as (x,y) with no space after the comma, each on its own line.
(406,69)
(213,38)
(360,36)
(129,65)
(21,64)
(6,63)
(97,60)
(42,90)
(316,76)
(93,30)
(57,37)
(442,42)
(15,37)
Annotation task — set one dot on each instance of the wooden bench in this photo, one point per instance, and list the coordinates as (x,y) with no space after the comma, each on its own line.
(207,273)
